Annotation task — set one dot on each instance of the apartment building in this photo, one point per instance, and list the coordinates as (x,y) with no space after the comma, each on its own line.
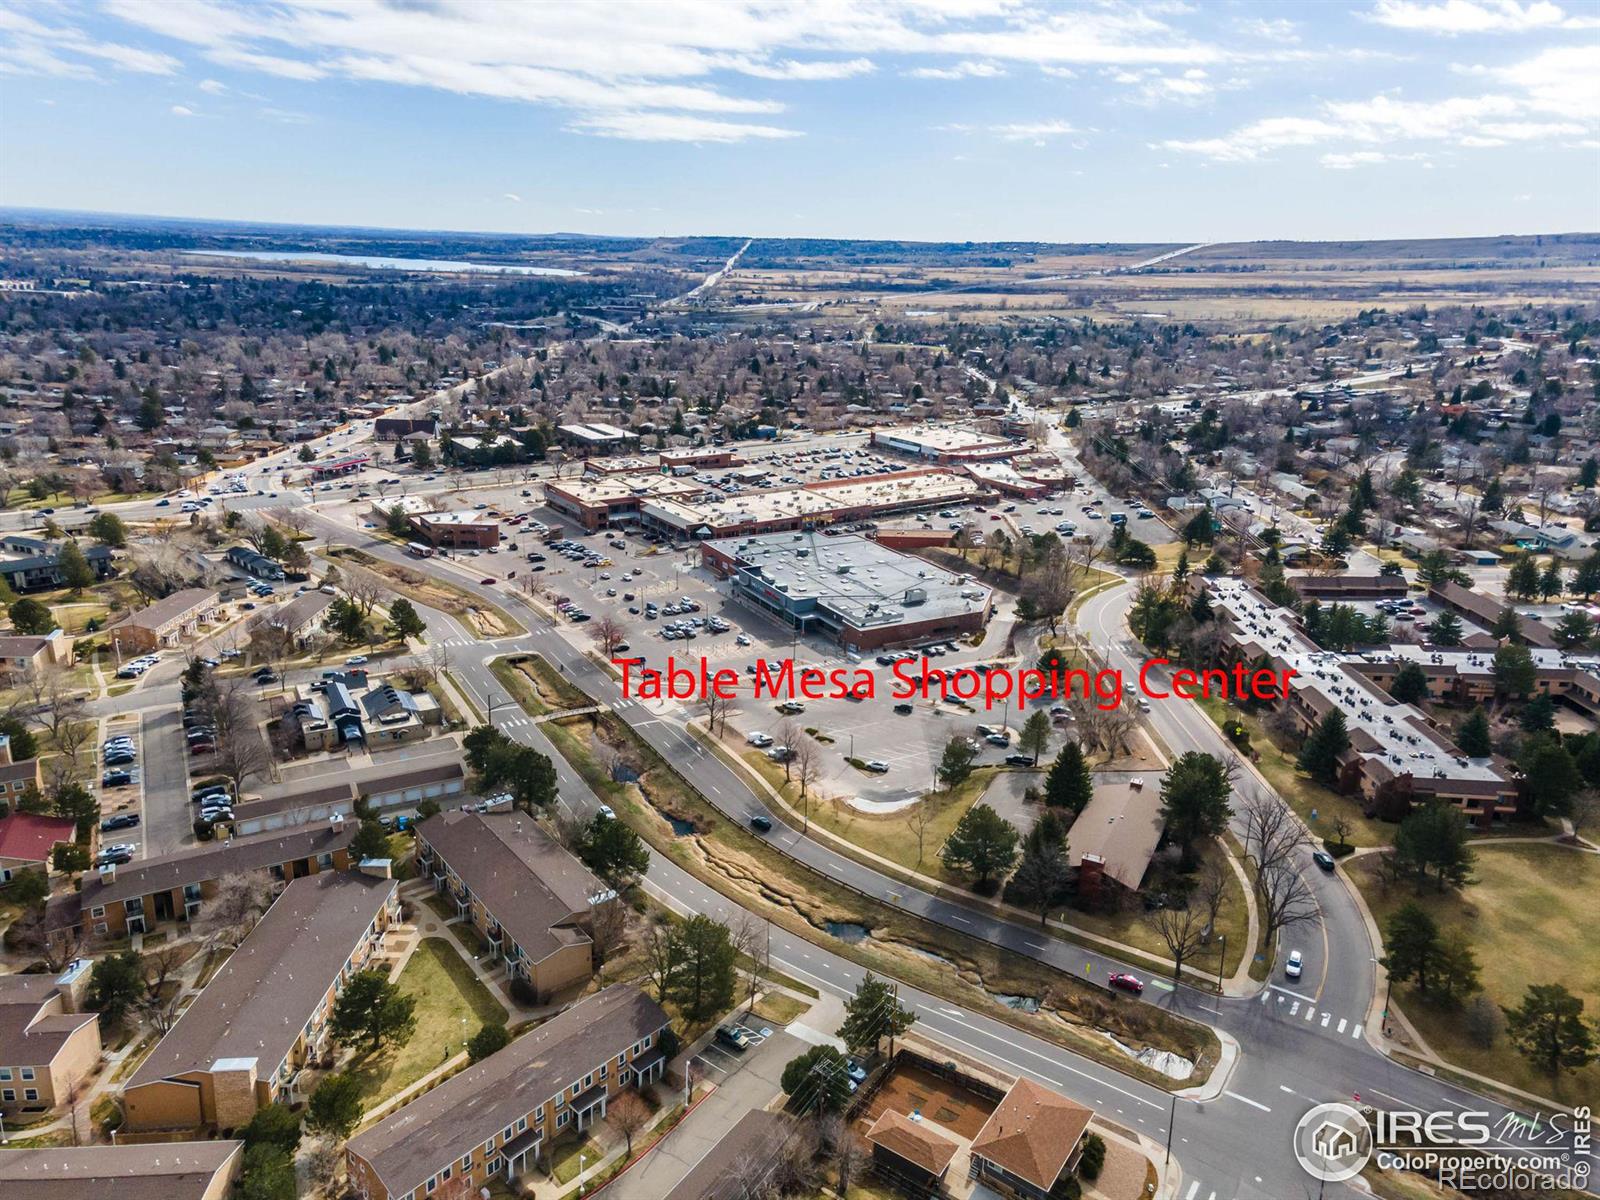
(25,656)
(244,1041)
(498,1116)
(532,899)
(137,897)
(28,839)
(1464,675)
(166,622)
(165,1171)
(1392,745)
(45,1047)
(38,563)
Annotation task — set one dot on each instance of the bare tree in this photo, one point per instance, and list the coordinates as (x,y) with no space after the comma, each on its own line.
(233,908)
(324,1161)
(849,1158)
(1183,930)
(609,633)
(1285,901)
(54,945)
(788,736)
(241,752)
(662,954)
(162,987)
(1273,835)
(628,1114)
(716,707)
(608,928)
(807,759)
(920,818)
(56,702)
(1211,890)
(1585,809)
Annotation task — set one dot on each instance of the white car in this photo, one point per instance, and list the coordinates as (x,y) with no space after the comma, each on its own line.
(356,660)
(1294,966)
(608,812)
(758,739)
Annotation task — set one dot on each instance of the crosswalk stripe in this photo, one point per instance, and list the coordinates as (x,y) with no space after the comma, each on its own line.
(1194,1187)
(1325,1018)
(1356,1032)
(1294,1008)
(1310,1012)
(1342,1023)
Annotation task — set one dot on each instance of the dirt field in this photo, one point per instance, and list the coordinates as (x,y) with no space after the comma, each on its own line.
(912,1089)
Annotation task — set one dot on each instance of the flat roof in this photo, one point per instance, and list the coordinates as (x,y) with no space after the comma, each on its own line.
(456,518)
(605,489)
(944,438)
(863,583)
(1381,728)
(818,501)
(256,1006)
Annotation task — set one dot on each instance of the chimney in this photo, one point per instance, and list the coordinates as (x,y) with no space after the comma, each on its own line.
(337,822)
(108,873)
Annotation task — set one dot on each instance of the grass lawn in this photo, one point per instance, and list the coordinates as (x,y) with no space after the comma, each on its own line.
(1529,916)
(400,847)
(889,835)
(1304,794)
(564,1159)
(779,1008)
(450,1006)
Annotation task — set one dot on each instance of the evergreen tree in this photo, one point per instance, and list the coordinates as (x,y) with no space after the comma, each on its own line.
(1069,783)
(1319,755)
(702,983)
(956,764)
(1035,735)
(872,1014)
(75,570)
(1446,630)
(372,1010)
(1474,736)
(404,620)
(1549,1029)
(983,845)
(1194,801)
(1412,941)
(336,1106)
(1434,838)
(1514,671)
(1410,684)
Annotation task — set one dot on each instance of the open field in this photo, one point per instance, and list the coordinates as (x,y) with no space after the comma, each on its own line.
(1529,917)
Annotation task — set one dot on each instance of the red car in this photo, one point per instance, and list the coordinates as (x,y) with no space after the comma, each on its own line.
(1127,983)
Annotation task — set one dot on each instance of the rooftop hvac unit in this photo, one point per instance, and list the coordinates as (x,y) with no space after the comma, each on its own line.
(915,596)
(842,569)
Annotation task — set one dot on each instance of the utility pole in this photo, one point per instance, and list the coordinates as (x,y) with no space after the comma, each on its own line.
(1172,1119)
(1222,962)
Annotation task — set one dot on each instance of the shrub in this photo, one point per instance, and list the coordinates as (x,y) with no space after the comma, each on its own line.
(486,1041)
(1094,1157)
(522,992)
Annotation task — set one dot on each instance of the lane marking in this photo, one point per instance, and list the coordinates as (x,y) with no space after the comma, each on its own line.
(1194,1188)
(1297,995)
(1356,1032)
(1342,1023)
(1247,1100)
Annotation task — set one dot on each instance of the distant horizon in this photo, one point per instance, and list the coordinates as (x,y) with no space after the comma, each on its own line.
(9,211)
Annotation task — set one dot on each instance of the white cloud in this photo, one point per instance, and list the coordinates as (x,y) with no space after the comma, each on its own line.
(1366,158)
(1037,132)
(1454,17)
(182,110)
(673,127)
(625,69)
(31,47)
(512,196)
(969,69)
(213,87)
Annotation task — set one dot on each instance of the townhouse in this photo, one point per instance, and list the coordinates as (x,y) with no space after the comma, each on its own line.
(45,1047)
(136,897)
(497,1117)
(167,1171)
(39,563)
(26,656)
(528,896)
(1465,675)
(243,1043)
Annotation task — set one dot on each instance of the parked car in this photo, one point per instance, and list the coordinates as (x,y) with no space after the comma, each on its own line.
(1019,760)
(118,778)
(877,766)
(110,855)
(1124,982)
(356,660)
(1294,966)
(733,1036)
(119,821)
(903,709)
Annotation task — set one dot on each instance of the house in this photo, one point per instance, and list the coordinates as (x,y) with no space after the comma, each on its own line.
(724,1171)
(264,1016)
(497,1116)
(393,716)
(1116,834)
(1554,538)
(1033,1138)
(252,562)
(138,896)
(26,839)
(163,1171)
(906,1148)
(531,898)
(39,564)
(166,622)
(46,1047)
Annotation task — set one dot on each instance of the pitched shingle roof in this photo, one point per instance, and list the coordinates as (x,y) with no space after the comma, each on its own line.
(912,1141)
(1033,1133)
(172,1171)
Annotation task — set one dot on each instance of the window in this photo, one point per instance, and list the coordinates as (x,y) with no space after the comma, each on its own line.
(605,1069)
(522,1122)
(466,1162)
(622,1059)
(488,1146)
(649,1037)
(5,1074)
(505,1134)
(588,1080)
(100,927)
(493,1165)
(8,1094)
(433,1183)
(30,1093)
(561,1118)
(27,1072)
(99,910)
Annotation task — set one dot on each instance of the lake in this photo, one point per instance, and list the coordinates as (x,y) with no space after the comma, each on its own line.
(380,263)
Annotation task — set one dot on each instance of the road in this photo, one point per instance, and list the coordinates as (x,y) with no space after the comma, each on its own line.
(1298,1046)
(710,280)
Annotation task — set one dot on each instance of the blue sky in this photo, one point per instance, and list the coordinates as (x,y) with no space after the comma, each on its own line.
(948,120)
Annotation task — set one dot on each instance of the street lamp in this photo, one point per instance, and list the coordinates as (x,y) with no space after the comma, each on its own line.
(494,699)
(1172,1119)
(1222,963)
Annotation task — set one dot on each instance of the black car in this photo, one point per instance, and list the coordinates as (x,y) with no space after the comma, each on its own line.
(733,1036)
(903,709)
(1323,859)
(121,758)
(117,778)
(1019,760)
(761,824)
(120,821)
